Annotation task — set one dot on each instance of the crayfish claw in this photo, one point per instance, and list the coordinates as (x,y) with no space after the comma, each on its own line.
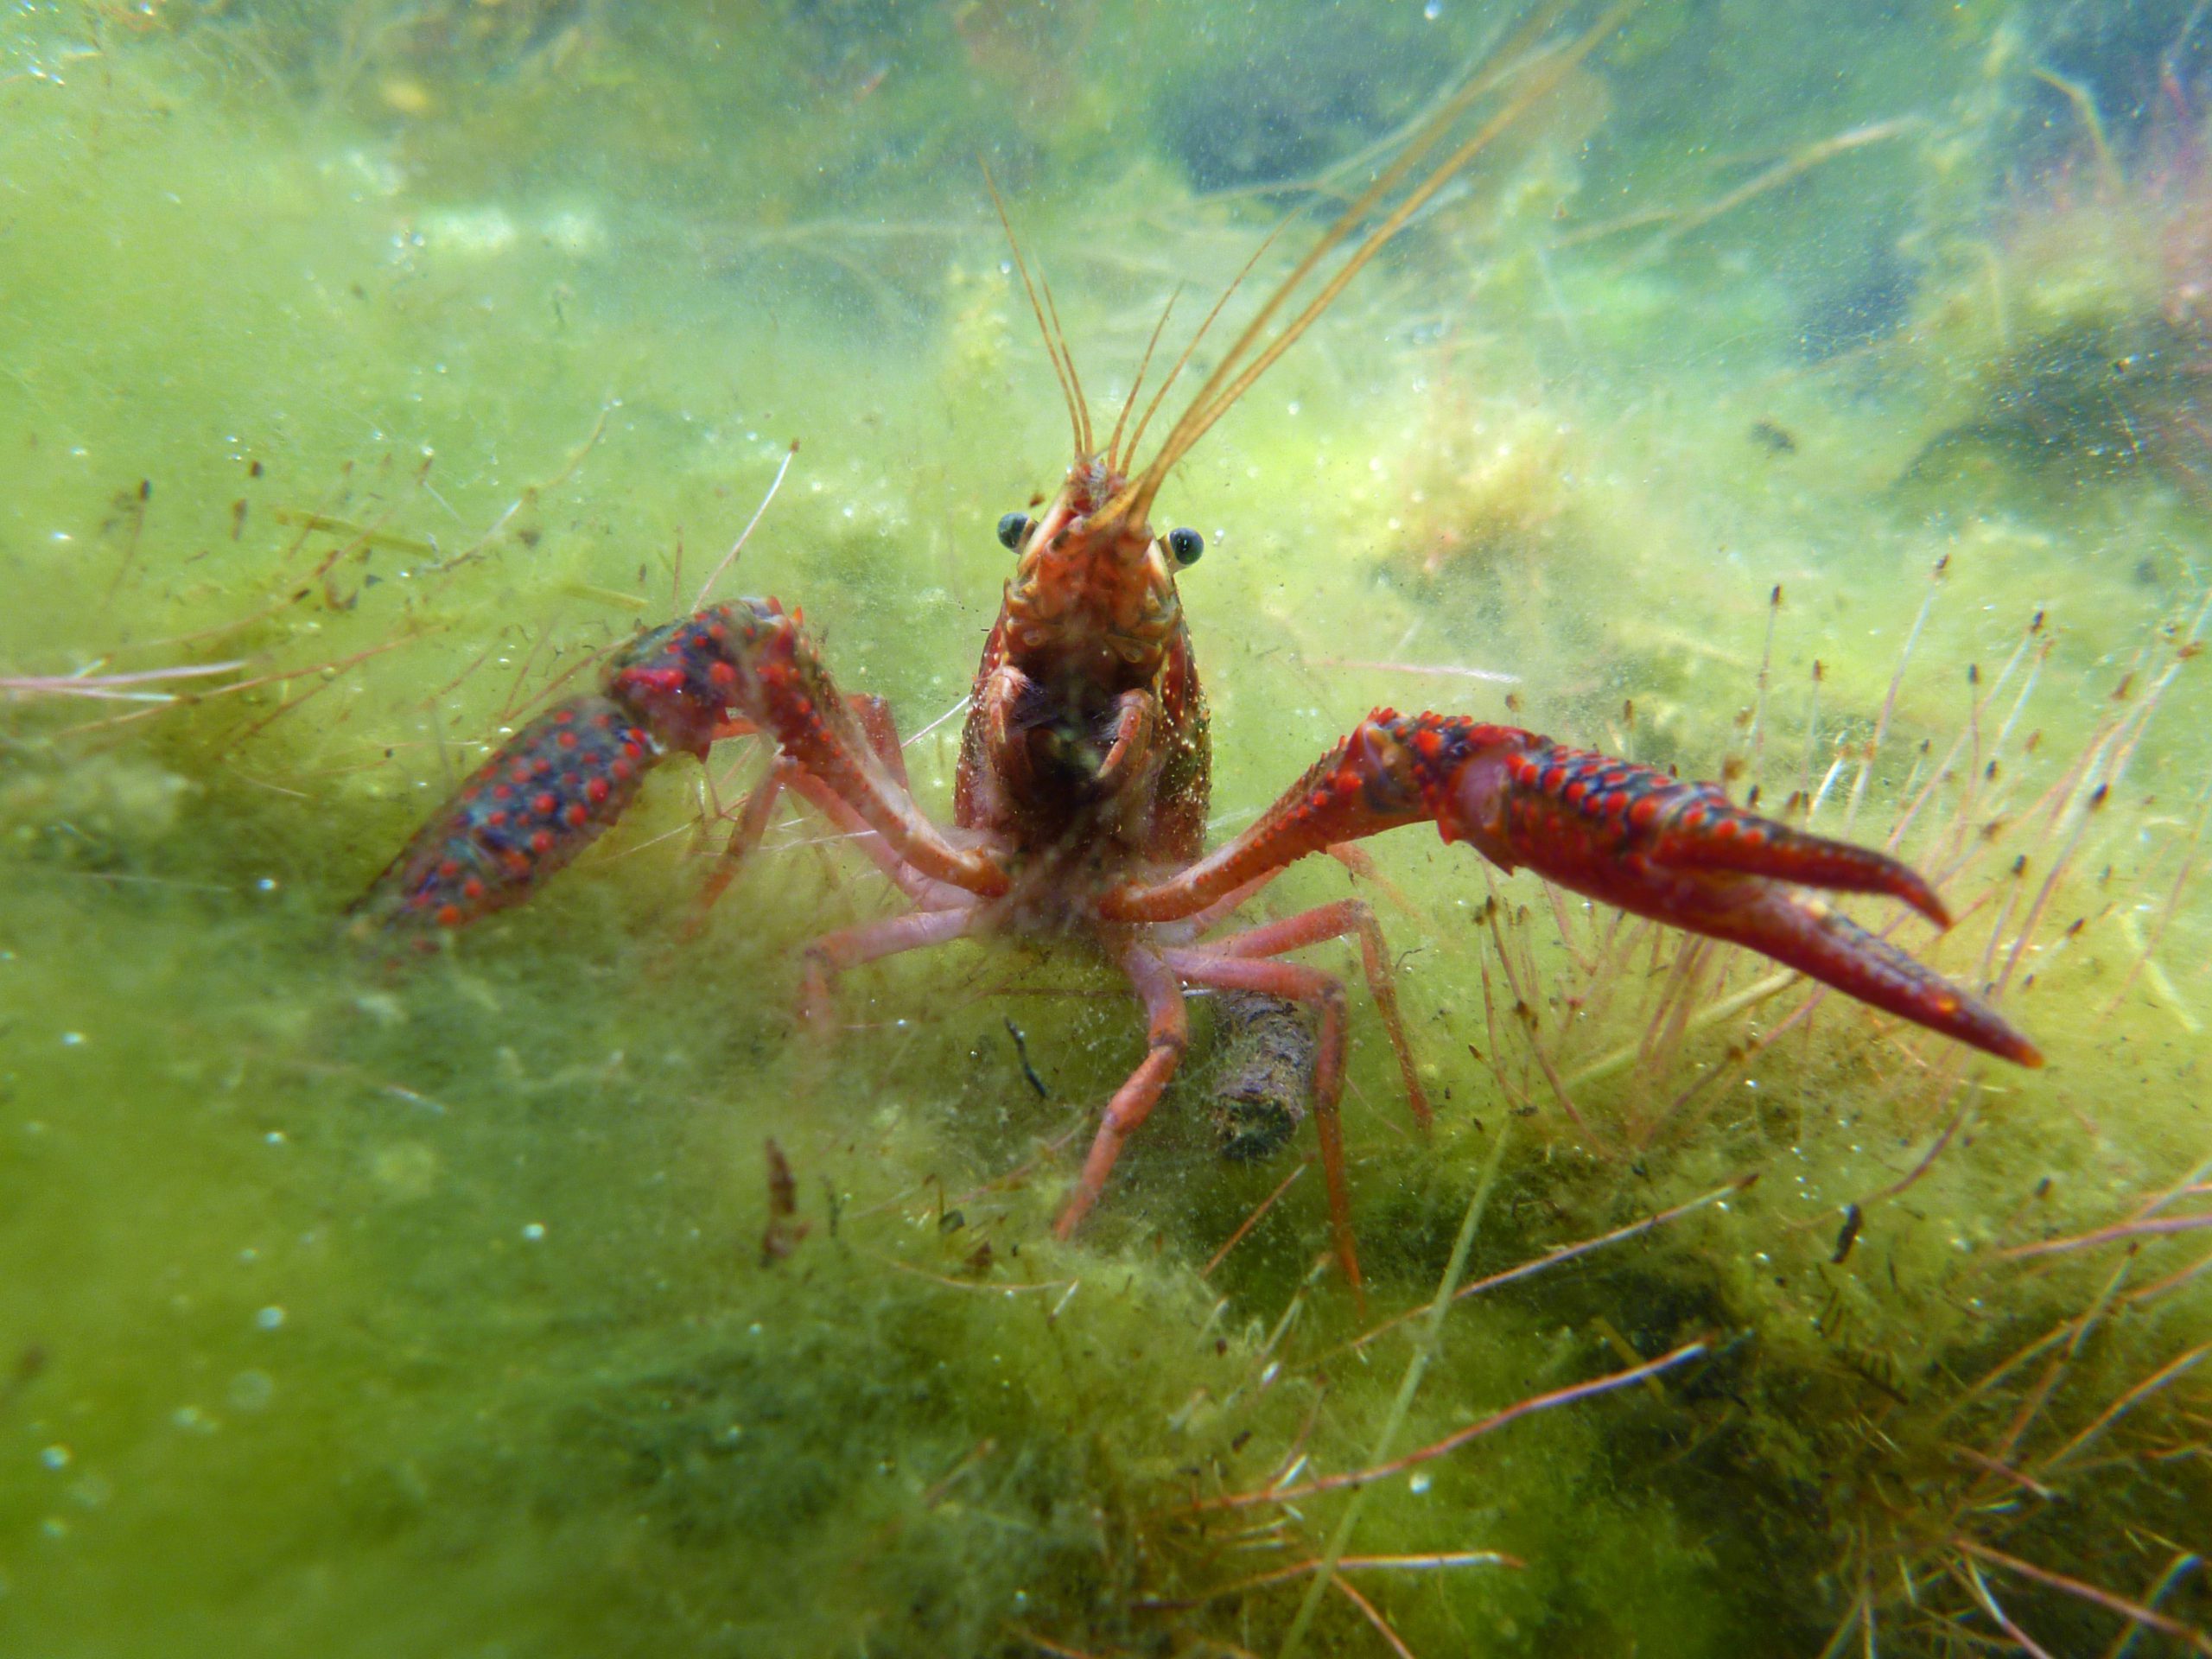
(1680,853)
(1702,829)
(1799,931)
(546,794)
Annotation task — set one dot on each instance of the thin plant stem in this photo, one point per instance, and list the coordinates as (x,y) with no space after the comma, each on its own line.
(1424,1347)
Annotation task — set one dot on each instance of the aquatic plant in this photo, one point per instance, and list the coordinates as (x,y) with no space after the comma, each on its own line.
(2066,331)
(349,1309)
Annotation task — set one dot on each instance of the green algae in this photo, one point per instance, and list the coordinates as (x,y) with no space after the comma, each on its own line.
(355,1306)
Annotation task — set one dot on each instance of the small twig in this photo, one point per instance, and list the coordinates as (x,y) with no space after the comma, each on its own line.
(2126,1402)
(2144,1229)
(2090,1592)
(529,498)
(968,1284)
(1441,671)
(1044,1644)
(1451,1443)
(1252,1220)
(1981,1591)
(1554,1257)
(1021,1053)
(109,687)
(2178,1568)
(1788,169)
(1347,1564)
(1374,1616)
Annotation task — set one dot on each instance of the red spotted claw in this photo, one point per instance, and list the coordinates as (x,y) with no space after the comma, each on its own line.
(1625,834)
(555,786)
(547,793)
(1681,852)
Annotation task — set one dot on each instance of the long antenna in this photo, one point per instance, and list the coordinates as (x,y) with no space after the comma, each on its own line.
(1422,142)
(1137,437)
(1067,356)
(1061,372)
(1233,376)
(1194,424)
(1114,443)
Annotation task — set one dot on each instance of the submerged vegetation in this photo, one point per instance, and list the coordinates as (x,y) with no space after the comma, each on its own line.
(373,370)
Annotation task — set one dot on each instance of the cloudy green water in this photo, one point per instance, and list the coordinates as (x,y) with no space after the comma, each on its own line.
(402,357)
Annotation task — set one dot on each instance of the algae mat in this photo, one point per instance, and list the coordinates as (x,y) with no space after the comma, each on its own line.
(1817,412)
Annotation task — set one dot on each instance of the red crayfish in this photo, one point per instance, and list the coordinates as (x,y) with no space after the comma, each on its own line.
(1080,805)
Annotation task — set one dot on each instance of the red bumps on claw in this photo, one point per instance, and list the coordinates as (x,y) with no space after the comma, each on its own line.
(1682,854)
(1695,827)
(1732,839)
(480,855)
(1799,931)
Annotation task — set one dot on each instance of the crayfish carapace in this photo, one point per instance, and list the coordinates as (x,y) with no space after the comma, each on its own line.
(1080,804)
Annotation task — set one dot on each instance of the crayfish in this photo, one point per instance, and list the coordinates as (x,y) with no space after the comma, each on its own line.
(1079,807)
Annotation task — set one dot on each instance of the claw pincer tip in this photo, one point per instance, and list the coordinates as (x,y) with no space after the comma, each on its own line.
(556,786)
(547,794)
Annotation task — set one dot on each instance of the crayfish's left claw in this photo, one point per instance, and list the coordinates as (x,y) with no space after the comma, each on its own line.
(1697,828)
(1679,853)
(547,793)
(1798,930)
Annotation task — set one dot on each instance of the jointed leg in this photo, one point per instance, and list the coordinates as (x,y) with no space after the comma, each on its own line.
(1297,982)
(925,891)
(833,953)
(748,666)
(1198,925)
(745,834)
(1334,921)
(881,725)
(752,821)
(1352,792)
(1168,1032)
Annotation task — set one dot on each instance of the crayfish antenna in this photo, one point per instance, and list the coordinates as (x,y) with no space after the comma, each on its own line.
(1239,368)
(1055,344)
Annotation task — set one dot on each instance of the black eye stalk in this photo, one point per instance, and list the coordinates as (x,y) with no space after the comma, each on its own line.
(1185,545)
(1013,529)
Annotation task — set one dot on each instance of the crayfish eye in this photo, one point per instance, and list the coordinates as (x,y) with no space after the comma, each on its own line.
(1013,529)
(1185,545)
